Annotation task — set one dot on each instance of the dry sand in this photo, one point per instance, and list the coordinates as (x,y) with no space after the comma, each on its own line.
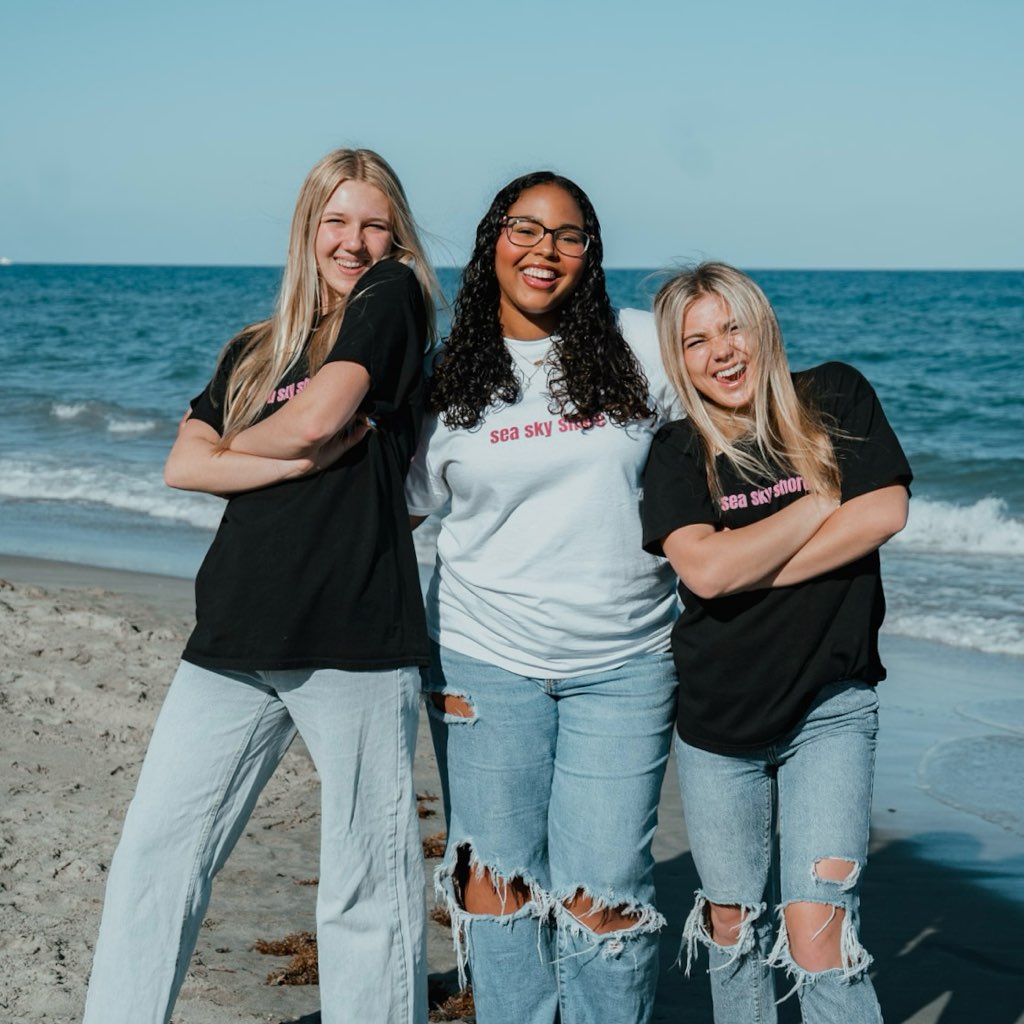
(88,653)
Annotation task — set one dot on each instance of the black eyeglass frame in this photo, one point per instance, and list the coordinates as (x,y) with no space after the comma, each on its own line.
(508,223)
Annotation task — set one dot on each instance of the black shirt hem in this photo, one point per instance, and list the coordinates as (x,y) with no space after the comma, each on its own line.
(281,664)
(741,750)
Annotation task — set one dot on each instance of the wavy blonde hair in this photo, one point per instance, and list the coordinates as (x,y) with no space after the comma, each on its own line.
(305,322)
(781,427)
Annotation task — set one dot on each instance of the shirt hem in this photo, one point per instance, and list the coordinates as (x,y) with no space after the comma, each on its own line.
(739,750)
(280,664)
(470,649)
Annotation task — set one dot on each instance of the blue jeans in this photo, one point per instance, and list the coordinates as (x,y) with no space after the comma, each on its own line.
(555,783)
(821,777)
(217,741)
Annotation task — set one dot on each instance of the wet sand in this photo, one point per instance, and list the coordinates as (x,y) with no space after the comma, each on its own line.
(88,653)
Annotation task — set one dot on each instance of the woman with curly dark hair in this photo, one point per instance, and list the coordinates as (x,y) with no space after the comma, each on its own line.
(551,691)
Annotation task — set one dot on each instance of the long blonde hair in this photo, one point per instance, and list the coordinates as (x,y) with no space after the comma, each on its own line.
(780,428)
(300,324)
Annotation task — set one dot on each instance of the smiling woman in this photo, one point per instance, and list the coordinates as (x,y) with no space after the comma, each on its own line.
(308,618)
(551,689)
(534,272)
(771,500)
(354,233)
(716,353)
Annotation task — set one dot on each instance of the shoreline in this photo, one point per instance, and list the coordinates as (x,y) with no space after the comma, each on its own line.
(174,593)
(88,653)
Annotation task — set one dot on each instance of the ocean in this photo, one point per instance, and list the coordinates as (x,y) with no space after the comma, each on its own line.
(99,363)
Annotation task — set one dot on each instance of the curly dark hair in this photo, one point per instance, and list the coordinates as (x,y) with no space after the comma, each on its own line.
(594,369)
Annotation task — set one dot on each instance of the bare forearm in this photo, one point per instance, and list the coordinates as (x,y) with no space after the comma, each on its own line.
(306,422)
(276,437)
(714,564)
(196,465)
(860,526)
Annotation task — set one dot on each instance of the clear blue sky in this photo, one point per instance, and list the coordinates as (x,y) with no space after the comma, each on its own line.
(793,134)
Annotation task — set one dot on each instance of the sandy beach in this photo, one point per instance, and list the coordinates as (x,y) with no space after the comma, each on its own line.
(87,655)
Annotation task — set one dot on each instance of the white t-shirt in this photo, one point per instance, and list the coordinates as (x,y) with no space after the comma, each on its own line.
(540,568)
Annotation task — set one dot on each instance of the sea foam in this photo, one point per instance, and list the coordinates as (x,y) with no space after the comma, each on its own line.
(984,528)
(68,410)
(992,635)
(144,492)
(119,426)
(101,416)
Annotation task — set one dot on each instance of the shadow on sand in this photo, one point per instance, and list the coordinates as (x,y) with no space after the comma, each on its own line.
(948,948)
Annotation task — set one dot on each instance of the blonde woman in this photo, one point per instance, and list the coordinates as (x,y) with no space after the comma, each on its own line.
(308,618)
(770,501)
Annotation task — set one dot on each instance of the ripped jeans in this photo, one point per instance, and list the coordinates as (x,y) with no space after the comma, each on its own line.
(821,776)
(553,784)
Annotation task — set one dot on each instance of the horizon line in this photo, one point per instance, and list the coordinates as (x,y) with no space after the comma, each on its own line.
(8,263)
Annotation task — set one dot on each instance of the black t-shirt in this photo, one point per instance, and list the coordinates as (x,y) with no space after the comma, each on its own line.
(750,664)
(320,572)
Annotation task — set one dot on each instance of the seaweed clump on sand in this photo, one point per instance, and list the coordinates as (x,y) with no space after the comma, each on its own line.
(433,846)
(445,1006)
(302,968)
(422,799)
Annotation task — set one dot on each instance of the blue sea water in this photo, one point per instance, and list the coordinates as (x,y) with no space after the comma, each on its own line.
(99,363)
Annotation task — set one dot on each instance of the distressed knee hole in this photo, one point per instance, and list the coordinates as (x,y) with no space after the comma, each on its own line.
(480,891)
(596,922)
(834,869)
(815,933)
(452,704)
(601,919)
(725,922)
(817,937)
(469,890)
(730,927)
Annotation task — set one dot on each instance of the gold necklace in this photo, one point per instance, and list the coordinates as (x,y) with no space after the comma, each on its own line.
(532,366)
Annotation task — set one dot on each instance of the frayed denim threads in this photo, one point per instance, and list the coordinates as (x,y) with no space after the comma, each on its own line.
(553,785)
(817,784)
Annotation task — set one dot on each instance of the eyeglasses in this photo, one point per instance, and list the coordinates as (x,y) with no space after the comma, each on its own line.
(525,232)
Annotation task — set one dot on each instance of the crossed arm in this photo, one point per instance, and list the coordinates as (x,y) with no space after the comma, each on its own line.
(305,435)
(807,538)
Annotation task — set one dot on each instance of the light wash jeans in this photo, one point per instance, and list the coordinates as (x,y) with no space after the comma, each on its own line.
(821,776)
(555,782)
(217,741)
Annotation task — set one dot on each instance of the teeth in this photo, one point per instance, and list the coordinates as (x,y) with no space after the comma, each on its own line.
(544,275)
(732,372)
(349,264)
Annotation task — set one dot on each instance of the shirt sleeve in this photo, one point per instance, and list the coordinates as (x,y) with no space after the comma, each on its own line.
(639,330)
(426,491)
(208,405)
(675,487)
(868,451)
(384,330)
